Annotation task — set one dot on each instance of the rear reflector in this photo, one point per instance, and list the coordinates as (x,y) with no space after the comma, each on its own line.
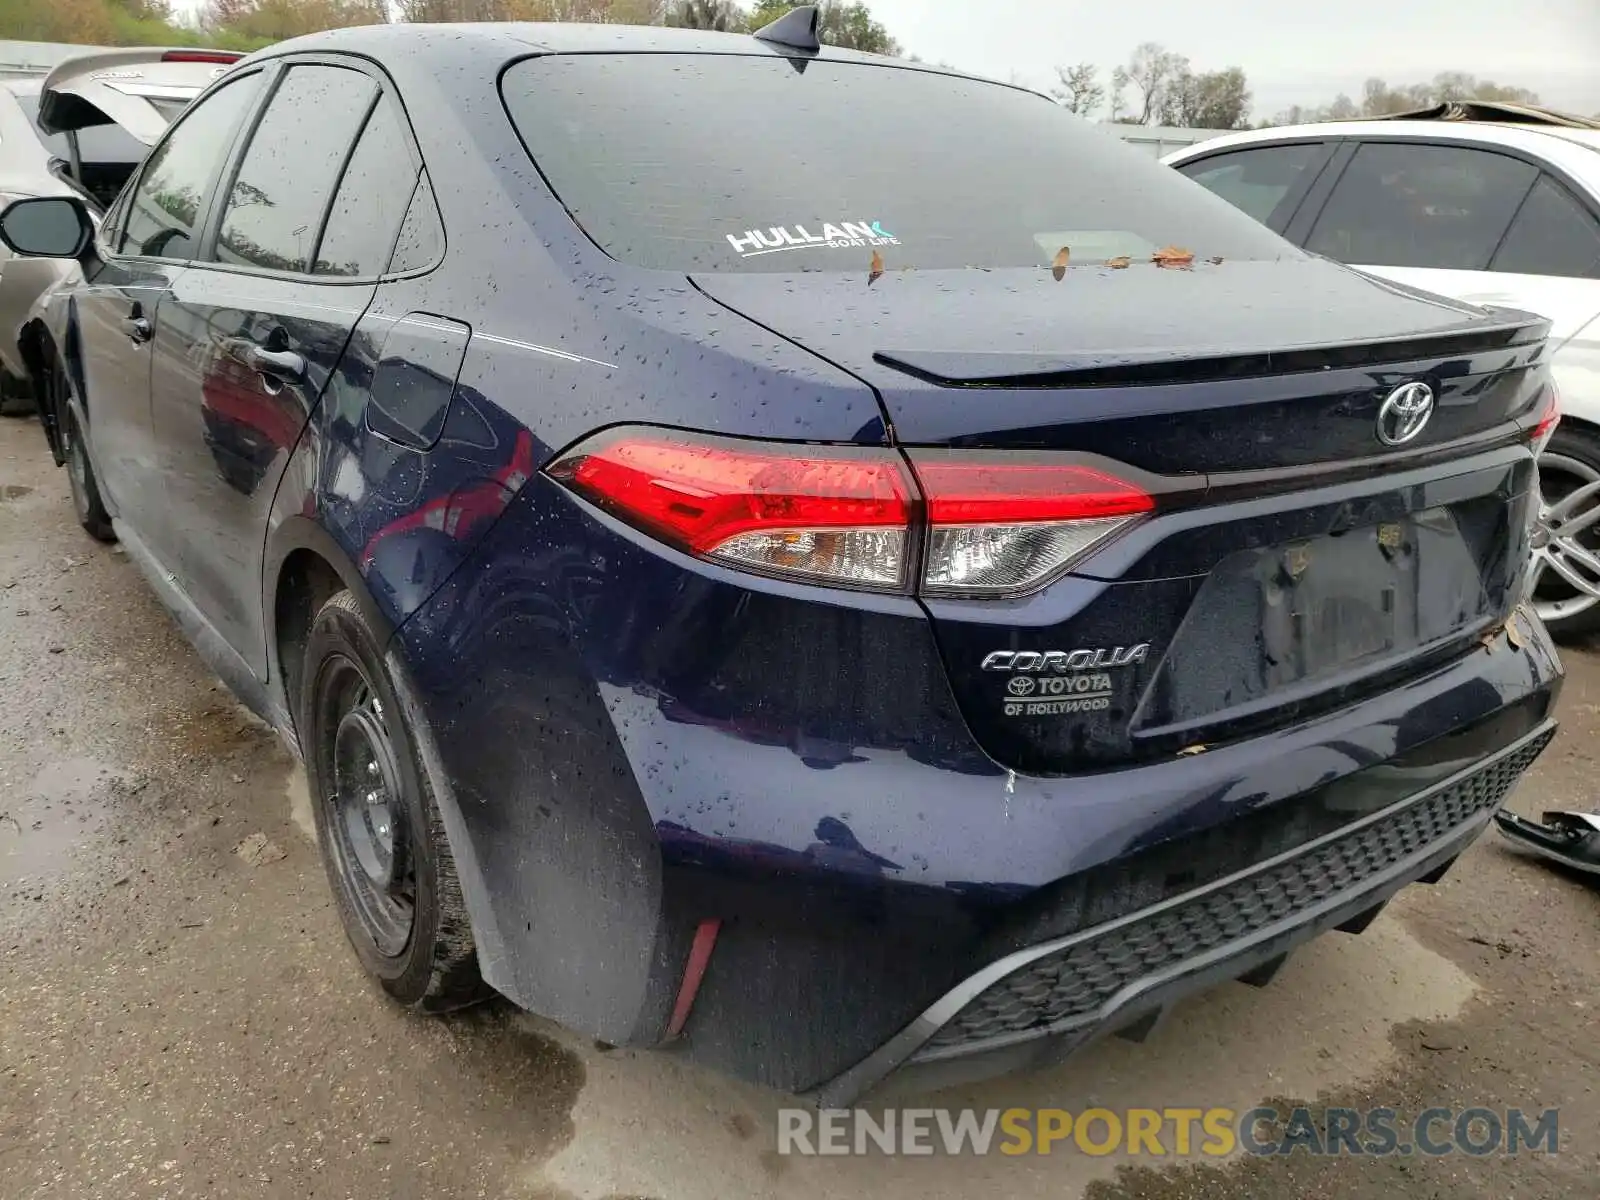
(1549,417)
(992,524)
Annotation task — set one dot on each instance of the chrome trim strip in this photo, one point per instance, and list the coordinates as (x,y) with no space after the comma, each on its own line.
(903,1045)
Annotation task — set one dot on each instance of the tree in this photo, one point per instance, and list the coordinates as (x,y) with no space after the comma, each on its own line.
(850,26)
(273,20)
(56,21)
(722,15)
(1378,99)
(1152,70)
(1209,100)
(1081,91)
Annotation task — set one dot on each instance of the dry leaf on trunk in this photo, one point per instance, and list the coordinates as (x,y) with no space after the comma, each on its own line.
(1058,265)
(1188,751)
(1172,256)
(1120,263)
(877,269)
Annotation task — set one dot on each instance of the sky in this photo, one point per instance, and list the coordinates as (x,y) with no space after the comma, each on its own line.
(1292,54)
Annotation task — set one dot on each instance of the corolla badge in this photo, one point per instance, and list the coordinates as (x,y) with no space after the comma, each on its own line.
(1065,660)
(1404,412)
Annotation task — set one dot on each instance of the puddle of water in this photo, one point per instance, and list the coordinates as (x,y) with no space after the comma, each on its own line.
(648,1125)
(60,810)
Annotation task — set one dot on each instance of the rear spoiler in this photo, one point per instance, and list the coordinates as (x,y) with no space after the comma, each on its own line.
(116,87)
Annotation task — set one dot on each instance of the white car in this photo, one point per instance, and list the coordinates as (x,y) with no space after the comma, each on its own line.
(1492,204)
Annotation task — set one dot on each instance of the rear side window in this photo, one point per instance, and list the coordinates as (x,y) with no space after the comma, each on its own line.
(731,163)
(165,205)
(421,240)
(1405,205)
(1258,180)
(291,166)
(1552,235)
(371,200)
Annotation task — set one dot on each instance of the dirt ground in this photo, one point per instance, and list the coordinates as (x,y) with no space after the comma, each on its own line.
(180,1019)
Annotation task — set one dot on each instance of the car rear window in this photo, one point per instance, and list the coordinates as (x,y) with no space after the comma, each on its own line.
(96,143)
(761,163)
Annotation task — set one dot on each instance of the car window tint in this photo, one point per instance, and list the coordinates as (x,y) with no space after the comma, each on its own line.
(1552,235)
(1254,181)
(166,203)
(1405,205)
(421,240)
(289,170)
(371,200)
(826,165)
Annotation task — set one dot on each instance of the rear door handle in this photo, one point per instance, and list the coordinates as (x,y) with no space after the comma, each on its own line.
(137,328)
(276,366)
(280,364)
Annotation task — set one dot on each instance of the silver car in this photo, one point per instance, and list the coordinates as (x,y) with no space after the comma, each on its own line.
(81,130)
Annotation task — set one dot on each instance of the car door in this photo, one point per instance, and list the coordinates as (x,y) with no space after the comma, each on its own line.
(1467,222)
(116,307)
(249,338)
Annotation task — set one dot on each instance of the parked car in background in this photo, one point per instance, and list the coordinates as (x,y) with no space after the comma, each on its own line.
(714,634)
(79,131)
(1491,203)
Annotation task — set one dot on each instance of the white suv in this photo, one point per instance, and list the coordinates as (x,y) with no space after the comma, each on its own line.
(1493,204)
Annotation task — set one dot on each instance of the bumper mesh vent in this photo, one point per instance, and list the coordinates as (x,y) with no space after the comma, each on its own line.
(1078,980)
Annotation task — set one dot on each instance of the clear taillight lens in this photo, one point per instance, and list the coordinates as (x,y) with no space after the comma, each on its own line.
(998,526)
(995,524)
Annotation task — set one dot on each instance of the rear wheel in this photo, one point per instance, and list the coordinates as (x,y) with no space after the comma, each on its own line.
(86,500)
(382,839)
(1567,540)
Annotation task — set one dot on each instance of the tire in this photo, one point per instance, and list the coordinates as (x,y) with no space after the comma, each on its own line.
(388,862)
(86,500)
(1571,460)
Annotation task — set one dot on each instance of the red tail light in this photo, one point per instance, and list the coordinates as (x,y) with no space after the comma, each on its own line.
(850,516)
(202,56)
(1001,527)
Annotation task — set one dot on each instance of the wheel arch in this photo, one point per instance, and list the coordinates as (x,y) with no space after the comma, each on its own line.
(302,568)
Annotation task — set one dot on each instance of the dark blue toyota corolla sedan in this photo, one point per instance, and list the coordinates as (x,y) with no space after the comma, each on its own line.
(820,563)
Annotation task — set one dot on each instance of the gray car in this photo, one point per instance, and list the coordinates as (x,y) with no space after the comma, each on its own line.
(81,130)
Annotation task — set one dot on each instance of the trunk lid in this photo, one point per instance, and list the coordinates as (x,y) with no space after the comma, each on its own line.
(1294,562)
(1107,357)
(142,89)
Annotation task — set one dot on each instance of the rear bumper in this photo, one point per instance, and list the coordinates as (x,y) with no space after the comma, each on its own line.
(1040,1004)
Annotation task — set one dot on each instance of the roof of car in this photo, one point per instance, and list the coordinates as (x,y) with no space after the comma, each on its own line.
(513,38)
(1532,138)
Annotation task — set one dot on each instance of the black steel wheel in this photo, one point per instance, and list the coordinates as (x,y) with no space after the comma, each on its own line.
(382,839)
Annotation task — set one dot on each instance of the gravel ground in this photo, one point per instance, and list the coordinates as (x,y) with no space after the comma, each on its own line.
(180,1016)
